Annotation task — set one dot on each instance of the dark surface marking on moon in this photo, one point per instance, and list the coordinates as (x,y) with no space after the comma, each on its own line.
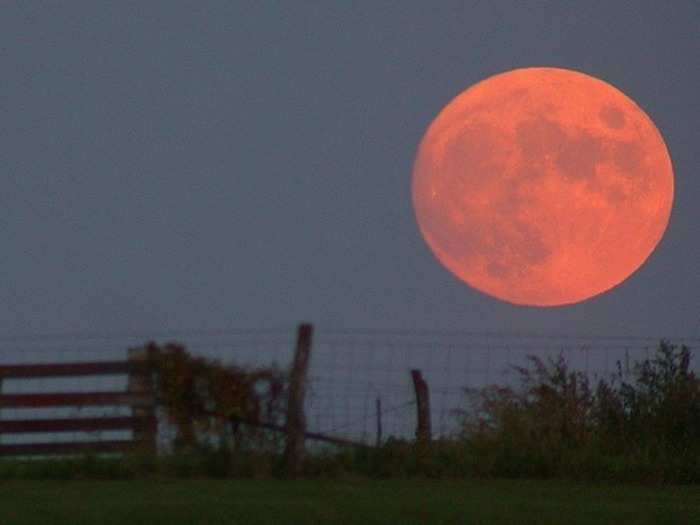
(615,195)
(471,150)
(628,157)
(538,138)
(520,245)
(579,156)
(612,117)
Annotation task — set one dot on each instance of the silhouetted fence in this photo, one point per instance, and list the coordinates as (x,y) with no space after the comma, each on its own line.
(358,388)
(138,398)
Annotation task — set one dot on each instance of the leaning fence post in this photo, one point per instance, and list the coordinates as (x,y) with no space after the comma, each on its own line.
(296,420)
(422,407)
(140,383)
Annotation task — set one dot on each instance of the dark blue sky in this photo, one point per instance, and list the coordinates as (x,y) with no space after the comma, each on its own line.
(202,165)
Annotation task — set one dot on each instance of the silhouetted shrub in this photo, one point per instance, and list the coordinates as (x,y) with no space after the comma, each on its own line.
(200,397)
(661,406)
(552,423)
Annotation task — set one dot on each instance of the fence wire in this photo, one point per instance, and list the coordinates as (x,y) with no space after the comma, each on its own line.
(351,373)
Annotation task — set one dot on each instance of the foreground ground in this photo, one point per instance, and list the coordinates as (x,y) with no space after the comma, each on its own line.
(253,502)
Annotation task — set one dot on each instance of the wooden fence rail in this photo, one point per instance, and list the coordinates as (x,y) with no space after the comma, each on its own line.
(90,424)
(142,423)
(69,369)
(76,399)
(73,447)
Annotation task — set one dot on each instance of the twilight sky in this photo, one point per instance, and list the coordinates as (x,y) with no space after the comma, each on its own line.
(217,164)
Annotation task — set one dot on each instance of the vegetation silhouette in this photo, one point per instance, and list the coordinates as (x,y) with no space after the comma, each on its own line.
(639,425)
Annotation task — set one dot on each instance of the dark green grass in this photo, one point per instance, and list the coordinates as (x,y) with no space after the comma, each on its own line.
(361,501)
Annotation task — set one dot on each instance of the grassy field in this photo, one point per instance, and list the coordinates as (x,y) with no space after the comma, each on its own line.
(405,502)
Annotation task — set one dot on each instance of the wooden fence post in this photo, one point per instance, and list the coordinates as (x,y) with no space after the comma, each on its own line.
(1,414)
(296,419)
(379,421)
(140,382)
(422,407)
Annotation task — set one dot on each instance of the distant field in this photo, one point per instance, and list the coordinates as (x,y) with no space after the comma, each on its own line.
(405,502)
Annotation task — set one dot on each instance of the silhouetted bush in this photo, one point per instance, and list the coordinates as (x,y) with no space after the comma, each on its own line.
(201,396)
(553,423)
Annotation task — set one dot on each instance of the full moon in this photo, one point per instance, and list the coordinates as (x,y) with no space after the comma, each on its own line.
(542,186)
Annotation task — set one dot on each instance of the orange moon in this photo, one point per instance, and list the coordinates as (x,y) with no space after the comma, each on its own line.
(542,186)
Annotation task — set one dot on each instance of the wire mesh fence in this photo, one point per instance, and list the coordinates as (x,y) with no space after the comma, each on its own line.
(359,383)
